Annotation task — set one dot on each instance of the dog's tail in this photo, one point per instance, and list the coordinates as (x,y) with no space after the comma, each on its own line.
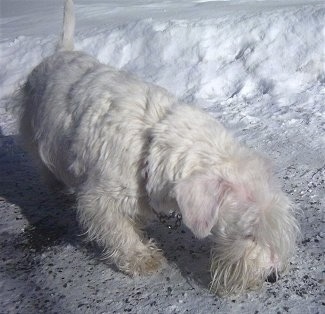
(66,41)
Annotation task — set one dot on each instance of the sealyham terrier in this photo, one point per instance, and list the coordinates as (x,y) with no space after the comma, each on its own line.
(129,149)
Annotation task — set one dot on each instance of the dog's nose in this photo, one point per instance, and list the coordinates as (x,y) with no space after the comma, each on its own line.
(272,278)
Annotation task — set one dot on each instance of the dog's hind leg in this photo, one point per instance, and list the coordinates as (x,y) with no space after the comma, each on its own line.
(108,223)
(28,142)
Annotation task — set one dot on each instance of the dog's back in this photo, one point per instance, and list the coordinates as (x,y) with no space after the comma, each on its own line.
(71,103)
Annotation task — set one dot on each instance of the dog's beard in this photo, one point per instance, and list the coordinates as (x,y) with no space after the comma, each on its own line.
(242,266)
(250,245)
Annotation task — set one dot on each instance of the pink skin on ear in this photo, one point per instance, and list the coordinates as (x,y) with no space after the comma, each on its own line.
(199,198)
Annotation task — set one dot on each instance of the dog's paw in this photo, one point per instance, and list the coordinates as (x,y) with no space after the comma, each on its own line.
(144,262)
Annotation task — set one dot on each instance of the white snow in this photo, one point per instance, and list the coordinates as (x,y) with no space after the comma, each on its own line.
(258,66)
(230,50)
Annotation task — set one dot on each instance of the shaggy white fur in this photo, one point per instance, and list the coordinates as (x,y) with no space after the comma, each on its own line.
(124,146)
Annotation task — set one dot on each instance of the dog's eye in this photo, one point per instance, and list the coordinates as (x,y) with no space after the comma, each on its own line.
(249,237)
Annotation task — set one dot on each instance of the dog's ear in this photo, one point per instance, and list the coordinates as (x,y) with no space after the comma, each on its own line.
(198,198)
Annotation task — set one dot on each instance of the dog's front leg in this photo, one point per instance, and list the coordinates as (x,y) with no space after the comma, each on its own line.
(108,222)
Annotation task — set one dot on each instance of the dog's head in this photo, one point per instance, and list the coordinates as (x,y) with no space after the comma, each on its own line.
(248,218)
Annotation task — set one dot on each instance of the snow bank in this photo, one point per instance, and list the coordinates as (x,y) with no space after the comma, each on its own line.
(249,55)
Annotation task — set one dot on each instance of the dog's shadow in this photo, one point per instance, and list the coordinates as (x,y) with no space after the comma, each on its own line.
(181,248)
(52,220)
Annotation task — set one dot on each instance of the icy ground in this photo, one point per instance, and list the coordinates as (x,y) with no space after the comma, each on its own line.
(258,66)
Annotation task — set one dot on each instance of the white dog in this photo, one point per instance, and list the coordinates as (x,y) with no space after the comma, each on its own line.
(129,149)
